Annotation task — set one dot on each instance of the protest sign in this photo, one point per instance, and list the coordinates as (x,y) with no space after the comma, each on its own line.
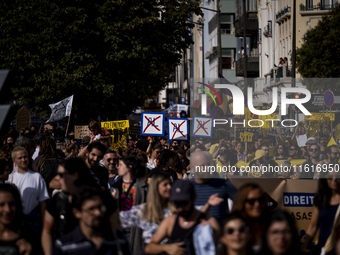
(81,131)
(23,118)
(117,128)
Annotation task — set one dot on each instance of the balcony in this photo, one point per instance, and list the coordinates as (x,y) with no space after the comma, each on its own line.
(251,25)
(281,72)
(317,9)
(283,14)
(252,66)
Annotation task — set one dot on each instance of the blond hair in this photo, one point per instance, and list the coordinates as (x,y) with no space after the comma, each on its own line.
(153,211)
(16,149)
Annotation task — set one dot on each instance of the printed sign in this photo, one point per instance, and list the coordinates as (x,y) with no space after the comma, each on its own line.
(23,118)
(120,124)
(81,131)
(175,110)
(152,123)
(178,129)
(202,126)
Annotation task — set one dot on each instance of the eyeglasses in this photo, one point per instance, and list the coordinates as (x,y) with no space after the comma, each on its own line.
(241,230)
(91,210)
(313,150)
(292,149)
(252,201)
(280,148)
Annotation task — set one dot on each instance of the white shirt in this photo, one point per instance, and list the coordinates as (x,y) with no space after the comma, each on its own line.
(32,188)
(36,153)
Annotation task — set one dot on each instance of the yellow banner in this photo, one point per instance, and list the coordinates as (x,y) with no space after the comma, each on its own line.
(120,124)
(319,116)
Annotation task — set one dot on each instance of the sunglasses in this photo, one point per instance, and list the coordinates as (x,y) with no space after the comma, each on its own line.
(280,148)
(312,150)
(180,203)
(335,153)
(292,149)
(261,200)
(113,159)
(241,230)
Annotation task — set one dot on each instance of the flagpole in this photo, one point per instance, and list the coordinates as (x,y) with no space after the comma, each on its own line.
(68,123)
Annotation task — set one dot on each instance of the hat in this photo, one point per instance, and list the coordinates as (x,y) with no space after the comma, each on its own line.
(311,140)
(259,154)
(182,190)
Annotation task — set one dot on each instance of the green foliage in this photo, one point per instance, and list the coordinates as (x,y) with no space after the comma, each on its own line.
(319,56)
(111,54)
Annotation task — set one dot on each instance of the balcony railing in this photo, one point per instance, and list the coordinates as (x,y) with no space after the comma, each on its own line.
(252,65)
(318,7)
(283,12)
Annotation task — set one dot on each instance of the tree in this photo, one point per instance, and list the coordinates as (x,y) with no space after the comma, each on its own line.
(111,54)
(319,55)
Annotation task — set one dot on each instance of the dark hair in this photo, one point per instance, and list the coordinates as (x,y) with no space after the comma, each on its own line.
(229,156)
(279,215)
(201,147)
(136,170)
(164,156)
(156,145)
(38,137)
(96,145)
(180,151)
(86,140)
(329,148)
(76,165)
(285,150)
(19,215)
(324,193)
(48,149)
(83,194)
(323,135)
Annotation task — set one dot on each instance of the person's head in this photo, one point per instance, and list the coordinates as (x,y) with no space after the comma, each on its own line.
(180,153)
(333,153)
(294,150)
(9,140)
(94,127)
(156,149)
(73,173)
(11,211)
(105,142)
(251,201)
(159,193)
(89,208)
(250,146)
(110,160)
(314,151)
(265,148)
(280,150)
(174,143)
(23,141)
(324,140)
(281,235)
(285,167)
(166,158)
(228,158)
(20,158)
(183,196)
(129,165)
(287,142)
(199,161)
(162,141)
(259,141)
(95,152)
(235,236)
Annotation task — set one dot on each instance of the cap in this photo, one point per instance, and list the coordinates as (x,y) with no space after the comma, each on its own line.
(182,190)
(311,140)
(259,154)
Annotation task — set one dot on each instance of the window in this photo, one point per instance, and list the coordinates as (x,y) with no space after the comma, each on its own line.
(228,58)
(227,23)
(309,4)
(252,5)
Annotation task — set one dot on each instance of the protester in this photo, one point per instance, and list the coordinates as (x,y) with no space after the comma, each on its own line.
(72,174)
(179,229)
(98,133)
(155,150)
(95,152)
(332,155)
(281,152)
(165,165)
(311,164)
(12,239)
(252,203)
(326,203)
(281,235)
(110,161)
(236,238)
(93,235)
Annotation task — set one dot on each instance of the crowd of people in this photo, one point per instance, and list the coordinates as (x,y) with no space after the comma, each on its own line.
(64,196)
